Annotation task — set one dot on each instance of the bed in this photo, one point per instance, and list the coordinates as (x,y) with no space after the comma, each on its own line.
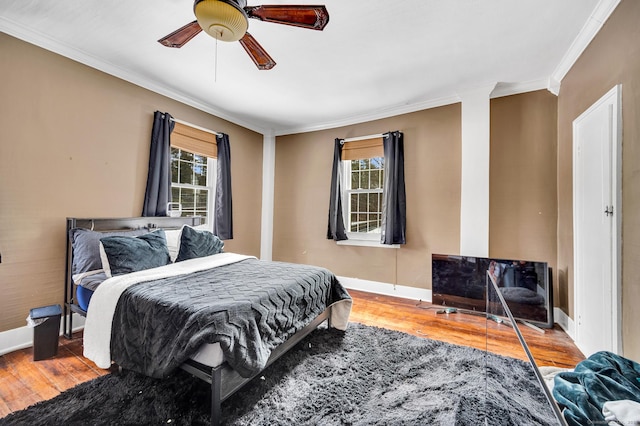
(160,294)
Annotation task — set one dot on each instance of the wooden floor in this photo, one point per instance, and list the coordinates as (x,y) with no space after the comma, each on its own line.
(24,382)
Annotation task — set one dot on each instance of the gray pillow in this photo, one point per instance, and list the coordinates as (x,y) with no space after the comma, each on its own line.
(194,243)
(86,248)
(124,255)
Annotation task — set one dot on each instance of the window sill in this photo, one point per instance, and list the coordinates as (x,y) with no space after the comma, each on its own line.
(367,243)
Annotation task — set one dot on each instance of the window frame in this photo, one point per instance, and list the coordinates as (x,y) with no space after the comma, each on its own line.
(346,202)
(212,173)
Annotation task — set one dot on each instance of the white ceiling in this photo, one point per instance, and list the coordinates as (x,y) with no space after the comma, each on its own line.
(374,59)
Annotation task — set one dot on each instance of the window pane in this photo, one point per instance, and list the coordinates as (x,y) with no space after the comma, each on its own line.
(175,195)
(362,199)
(200,174)
(364,164)
(364,180)
(373,202)
(187,198)
(174,171)
(355,180)
(375,179)
(200,159)
(354,202)
(186,172)
(186,155)
(202,199)
(355,165)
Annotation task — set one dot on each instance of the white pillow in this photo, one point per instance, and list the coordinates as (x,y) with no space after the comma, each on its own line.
(105,261)
(173,242)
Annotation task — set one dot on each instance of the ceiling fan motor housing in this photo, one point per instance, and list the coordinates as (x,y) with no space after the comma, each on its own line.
(224,20)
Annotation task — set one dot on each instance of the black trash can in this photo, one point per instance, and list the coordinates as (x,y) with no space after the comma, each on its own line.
(46,333)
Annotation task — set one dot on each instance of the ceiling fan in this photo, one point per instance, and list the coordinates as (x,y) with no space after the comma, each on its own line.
(227,20)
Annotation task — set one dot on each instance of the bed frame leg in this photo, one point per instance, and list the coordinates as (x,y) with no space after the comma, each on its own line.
(67,322)
(216,409)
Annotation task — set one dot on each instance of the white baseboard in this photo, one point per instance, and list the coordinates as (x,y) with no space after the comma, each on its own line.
(22,337)
(565,322)
(386,289)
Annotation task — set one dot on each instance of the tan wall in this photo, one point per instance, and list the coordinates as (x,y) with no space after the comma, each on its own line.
(432,172)
(523,201)
(75,142)
(613,57)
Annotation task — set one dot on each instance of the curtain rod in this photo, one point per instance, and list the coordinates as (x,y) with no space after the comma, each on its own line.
(362,138)
(175,120)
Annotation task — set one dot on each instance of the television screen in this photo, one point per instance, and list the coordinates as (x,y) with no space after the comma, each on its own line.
(460,282)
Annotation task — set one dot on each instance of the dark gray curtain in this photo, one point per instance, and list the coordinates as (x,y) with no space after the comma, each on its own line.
(223,224)
(158,192)
(394,208)
(335,229)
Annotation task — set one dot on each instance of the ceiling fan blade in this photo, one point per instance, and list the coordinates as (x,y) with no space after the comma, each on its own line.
(311,17)
(181,36)
(257,53)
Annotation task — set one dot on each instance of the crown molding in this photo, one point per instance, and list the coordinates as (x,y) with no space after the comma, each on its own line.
(553,86)
(377,115)
(600,14)
(508,89)
(43,41)
(497,90)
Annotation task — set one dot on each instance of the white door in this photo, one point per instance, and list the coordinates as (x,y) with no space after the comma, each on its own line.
(596,218)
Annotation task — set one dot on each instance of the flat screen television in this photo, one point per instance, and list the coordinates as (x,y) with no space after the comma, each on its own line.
(461,282)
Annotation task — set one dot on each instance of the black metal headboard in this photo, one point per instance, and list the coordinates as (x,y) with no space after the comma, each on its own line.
(104,225)
(115,224)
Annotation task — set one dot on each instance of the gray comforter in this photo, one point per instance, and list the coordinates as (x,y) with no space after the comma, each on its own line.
(249,307)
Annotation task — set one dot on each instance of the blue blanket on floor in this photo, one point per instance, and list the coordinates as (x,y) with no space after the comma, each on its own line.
(602,377)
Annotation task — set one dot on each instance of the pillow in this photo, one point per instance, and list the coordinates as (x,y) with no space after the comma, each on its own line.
(86,250)
(123,255)
(194,243)
(173,242)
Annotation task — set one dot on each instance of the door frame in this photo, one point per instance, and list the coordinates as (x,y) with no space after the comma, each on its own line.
(613,97)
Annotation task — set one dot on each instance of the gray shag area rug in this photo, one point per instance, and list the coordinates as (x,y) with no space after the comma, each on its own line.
(364,376)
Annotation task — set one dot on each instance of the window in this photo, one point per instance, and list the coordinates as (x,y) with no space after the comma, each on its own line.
(363,183)
(193,183)
(362,180)
(193,171)
(367,180)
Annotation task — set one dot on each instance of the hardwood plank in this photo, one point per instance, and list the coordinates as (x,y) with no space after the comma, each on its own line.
(31,375)
(14,393)
(66,370)
(25,382)
(551,348)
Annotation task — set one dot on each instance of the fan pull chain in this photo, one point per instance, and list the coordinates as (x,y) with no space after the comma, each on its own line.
(215,64)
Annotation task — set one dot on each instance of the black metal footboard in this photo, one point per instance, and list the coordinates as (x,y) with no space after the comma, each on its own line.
(225,381)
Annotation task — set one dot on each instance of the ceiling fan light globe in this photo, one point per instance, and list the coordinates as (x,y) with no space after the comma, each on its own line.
(221,20)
